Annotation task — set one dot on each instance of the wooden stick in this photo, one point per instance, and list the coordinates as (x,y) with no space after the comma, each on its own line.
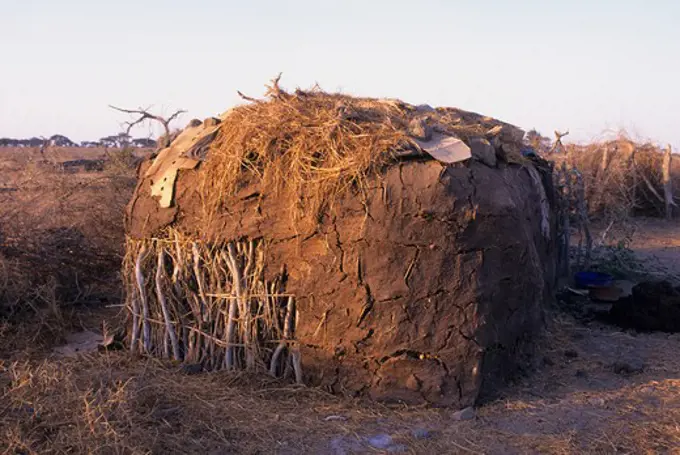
(602,179)
(146,332)
(231,321)
(297,356)
(287,328)
(199,277)
(134,337)
(178,265)
(633,172)
(604,164)
(667,182)
(246,313)
(232,297)
(160,271)
(650,187)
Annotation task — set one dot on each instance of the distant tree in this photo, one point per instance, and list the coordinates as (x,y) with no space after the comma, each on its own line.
(34,142)
(109,141)
(8,142)
(123,140)
(59,140)
(143,142)
(120,140)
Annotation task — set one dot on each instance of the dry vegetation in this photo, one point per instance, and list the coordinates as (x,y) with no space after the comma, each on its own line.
(61,251)
(622,178)
(573,403)
(61,236)
(316,145)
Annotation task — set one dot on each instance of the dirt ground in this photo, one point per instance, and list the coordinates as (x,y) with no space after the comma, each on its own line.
(658,245)
(593,389)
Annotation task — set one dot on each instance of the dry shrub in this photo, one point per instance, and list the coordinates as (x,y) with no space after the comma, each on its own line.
(316,145)
(121,161)
(622,178)
(62,239)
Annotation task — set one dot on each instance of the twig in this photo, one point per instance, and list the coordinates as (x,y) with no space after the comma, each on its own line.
(248,98)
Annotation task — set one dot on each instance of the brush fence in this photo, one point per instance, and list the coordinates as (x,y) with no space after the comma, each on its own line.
(209,304)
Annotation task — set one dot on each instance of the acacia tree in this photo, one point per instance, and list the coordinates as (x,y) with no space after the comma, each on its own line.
(142,115)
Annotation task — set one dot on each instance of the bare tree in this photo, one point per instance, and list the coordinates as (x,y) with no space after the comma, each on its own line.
(143,115)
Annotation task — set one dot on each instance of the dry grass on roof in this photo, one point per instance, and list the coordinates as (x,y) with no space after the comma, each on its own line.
(316,145)
(311,143)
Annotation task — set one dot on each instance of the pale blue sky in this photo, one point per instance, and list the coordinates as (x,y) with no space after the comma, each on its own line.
(585,66)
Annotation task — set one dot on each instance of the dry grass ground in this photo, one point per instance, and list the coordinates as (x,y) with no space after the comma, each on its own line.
(572,401)
(60,238)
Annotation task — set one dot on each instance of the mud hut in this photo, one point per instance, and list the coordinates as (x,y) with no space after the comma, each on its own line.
(370,246)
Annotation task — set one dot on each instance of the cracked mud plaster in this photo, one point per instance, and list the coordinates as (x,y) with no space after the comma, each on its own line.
(432,298)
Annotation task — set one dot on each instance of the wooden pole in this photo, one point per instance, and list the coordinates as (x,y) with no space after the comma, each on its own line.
(667,182)
(604,164)
(600,185)
(632,195)
(584,223)
(564,188)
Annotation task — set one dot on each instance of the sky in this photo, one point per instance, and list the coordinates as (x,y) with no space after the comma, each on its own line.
(590,67)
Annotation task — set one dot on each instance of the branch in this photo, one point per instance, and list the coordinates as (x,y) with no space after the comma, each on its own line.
(247,98)
(558,141)
(175,115)
(651,188)
(145,115)
(274,91)
(559,135)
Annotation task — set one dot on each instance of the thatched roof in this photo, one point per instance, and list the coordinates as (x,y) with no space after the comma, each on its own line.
(316,145)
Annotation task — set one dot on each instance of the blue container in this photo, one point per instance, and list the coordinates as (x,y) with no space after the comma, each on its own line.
(593,280)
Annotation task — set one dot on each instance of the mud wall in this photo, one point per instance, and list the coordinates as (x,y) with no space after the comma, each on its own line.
(430,291)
